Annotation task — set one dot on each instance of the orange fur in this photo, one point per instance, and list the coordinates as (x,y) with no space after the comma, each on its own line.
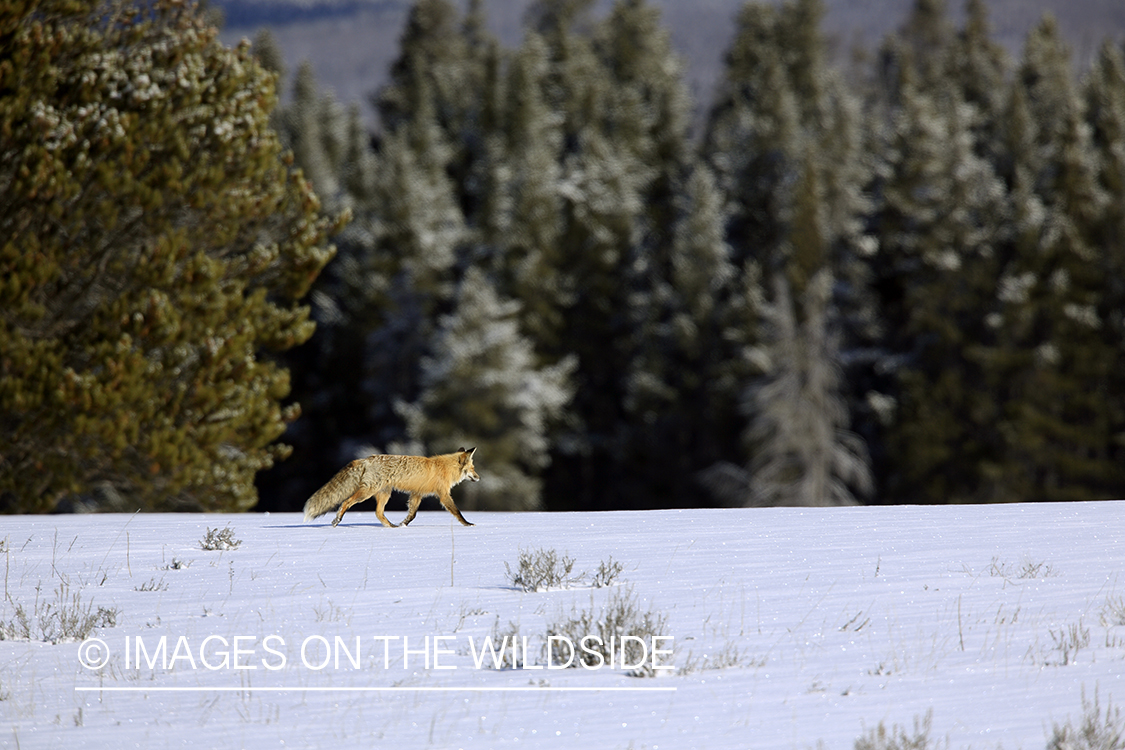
(380,474)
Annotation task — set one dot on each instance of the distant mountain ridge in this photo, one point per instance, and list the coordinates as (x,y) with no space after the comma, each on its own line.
(255,13)
(351,43)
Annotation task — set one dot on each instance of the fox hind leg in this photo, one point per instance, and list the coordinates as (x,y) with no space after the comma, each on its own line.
(412,507)
(447,503)
(357,497)
(381,498)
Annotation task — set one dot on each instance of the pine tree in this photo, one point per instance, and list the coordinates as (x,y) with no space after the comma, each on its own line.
(601,195)
(430,48)
(941,215)
(521,217)
(398,274)
(652,108)
(753,135)
(155,245)
(1105,113)
(312,127)
(687,372)
(784,139)
(778,104)
(980,67)
(409,188)
(482,387)
(268,53)
(349,298)
(444,66)
(928,36)
(803,453)
(1052,361)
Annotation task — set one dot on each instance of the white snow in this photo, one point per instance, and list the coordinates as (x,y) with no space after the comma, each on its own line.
(840,618)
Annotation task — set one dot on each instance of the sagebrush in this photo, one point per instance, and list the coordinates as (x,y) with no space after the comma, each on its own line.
(1097,731)
(222,541)
(897,738)
(545,569)
(541,569)
(622,615)
(63,619)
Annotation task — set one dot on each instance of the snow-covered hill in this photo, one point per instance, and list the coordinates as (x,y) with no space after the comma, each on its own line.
(787,628)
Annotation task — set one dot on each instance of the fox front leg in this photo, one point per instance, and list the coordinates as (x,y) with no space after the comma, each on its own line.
(447,503)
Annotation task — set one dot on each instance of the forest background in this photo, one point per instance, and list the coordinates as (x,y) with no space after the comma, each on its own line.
(892,274)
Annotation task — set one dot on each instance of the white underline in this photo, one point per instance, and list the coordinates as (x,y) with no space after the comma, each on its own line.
(275,689)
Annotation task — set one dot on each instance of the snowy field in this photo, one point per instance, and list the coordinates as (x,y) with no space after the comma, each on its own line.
(787,628)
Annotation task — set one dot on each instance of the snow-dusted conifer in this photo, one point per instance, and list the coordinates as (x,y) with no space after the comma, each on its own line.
(941,217)
(312,127)
(155,243)
(269,55)
(802,451)
(481,387)
(523,220)
(687,372)
(784,140)
(1052,360)
(980,67)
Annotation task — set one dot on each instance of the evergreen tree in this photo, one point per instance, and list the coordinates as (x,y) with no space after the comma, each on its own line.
(155,244)
(778,105)
(444,69)
(803,453)
(1105,113)
(349,298)
(482,387)
(521,218)
(753,135)
(601,190)
(378,304)
(928,55)
(312,127)
(784,139)
(941,216)
(268,53)
(651,106)
(430,51)
(928,36)
(417,230)
(1052,361)
(980,67)
(394,277)
(690,327)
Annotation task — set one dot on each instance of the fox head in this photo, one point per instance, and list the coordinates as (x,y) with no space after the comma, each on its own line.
(467,470)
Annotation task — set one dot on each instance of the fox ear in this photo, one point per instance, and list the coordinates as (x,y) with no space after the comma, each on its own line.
(470,451)
(460,450)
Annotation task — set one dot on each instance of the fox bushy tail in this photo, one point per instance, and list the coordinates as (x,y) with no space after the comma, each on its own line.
(338,489)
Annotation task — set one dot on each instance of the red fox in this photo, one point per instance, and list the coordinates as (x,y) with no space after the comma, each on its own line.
(378,475)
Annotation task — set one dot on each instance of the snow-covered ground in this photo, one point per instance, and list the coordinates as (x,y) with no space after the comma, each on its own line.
(788,628)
